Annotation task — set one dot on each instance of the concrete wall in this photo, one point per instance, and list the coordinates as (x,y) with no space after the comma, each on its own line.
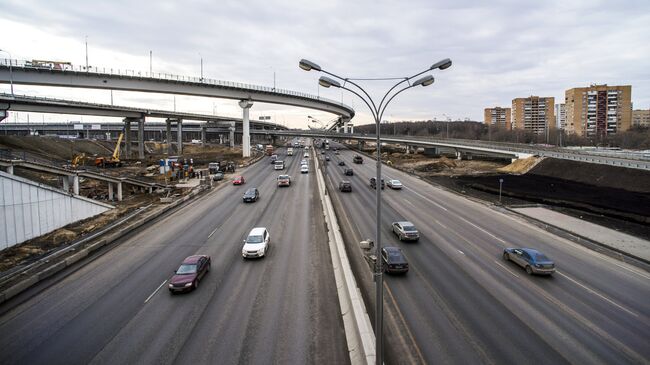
(29,209)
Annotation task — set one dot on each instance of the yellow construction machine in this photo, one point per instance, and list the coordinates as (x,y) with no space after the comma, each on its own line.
(114,160)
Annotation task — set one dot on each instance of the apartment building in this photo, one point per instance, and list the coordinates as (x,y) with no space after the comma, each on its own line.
(560,115)
(534,113)
(641,118)
(598,110)
(498,117)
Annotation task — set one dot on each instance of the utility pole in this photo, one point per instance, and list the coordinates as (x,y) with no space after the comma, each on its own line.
(86,53)
(150,63)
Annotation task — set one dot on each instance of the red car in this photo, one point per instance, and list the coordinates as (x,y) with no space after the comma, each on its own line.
(189,274)
(239,180)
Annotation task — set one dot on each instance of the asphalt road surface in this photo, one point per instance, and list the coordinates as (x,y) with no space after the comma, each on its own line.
(281,309)
(462,303)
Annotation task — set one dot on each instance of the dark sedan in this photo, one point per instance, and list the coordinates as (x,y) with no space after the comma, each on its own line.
(251,195)
(341,163)
(532,260)
(348,172)
(189,274)
(394,260)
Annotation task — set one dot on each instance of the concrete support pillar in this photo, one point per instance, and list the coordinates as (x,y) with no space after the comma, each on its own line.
(110,191)
(459,155)
(66,183)
(168,123)
(10,170)
(274,140)
(119,192)
(351,126)
(246,137)
(203,134)
(141,138)
(408,149)
(231,135)
(179,132)
(127,137)
(75,184)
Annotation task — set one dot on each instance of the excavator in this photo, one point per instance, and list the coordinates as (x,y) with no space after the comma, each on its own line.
(78,160)
(114,160)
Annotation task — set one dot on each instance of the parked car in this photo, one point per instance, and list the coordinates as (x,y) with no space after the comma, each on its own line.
(373,183)
(357,159)
(406,231)
(341,163)
(251,195)
(345,186)
(284,180)
(188,275)
(238,180)
(218,176)
(304,169)
(532,260)
(394,184)
(394,260)
(256,243)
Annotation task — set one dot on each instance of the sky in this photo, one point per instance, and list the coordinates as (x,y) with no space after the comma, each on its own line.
(500,50)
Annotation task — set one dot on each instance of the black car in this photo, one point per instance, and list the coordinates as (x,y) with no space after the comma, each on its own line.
(357,159)
(345,186)
(393,260)
(373,183)
(251,195)
(348,172)
(341,163)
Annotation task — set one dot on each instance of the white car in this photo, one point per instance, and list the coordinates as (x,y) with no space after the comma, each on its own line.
(304,169)
(303,162)
(394,184)
(257,243)
(306,155)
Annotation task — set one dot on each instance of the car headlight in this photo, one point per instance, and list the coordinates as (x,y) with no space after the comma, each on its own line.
(171,285)
(538,265)
(188,284)
(260,251)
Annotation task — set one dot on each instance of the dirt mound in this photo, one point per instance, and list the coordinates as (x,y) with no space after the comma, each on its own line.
(50,148)
(520,166)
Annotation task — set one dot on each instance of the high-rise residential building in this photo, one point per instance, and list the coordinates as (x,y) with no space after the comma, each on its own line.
(560,115)
(534,113)
(641,118)
(498,117)
(598,110)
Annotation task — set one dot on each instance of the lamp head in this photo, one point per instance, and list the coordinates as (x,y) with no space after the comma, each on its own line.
(424,81)
(442,64)
(325,81)
(308,65)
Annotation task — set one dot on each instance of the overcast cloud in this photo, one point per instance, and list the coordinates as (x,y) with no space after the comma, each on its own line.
(500,49)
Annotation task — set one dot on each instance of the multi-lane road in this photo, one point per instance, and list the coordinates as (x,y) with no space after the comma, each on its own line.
(281,309)
(459,303)
(462,303)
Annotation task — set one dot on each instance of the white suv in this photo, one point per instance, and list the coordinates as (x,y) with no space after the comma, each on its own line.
(257,243)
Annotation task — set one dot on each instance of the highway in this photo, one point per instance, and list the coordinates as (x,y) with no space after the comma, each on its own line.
(462,303)
(117,310)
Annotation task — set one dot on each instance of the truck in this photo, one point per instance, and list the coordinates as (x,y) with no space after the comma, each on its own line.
(290,151)
(268,149)
(213,167)
(327,144)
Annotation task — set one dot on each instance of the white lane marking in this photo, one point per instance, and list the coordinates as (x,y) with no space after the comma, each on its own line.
(481,229)
(155,291)
(461,252)
(598,294)
(213,232)
(425,198)
(411,204)
(506,269)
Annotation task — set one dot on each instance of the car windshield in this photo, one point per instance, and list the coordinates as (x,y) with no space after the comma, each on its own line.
(541,257)
(409,228)
(395,256)
(254,239)
(396,182)
(186,269)
(250,192)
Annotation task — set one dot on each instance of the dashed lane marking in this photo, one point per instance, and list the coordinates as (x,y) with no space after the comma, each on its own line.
(155,291)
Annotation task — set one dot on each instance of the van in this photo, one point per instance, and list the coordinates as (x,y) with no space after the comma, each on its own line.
(279,165)
(290,151)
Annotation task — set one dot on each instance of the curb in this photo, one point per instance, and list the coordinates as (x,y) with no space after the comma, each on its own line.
(85,252)
(358,330)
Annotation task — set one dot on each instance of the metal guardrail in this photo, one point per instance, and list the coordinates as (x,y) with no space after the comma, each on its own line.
(63,68)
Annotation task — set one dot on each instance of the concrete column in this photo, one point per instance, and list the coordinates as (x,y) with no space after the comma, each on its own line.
(246,137)
(351,126)
(110,191)
(231,135)
(168,123)
(119,191)
(203,134)
(179,132)
(141,138)
(127,136)
(66,183)
(459,155)
(10,170)
(75,184)
(408,149)
(220,138)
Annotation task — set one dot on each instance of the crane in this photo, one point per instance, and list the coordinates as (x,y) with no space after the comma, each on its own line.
(114,160)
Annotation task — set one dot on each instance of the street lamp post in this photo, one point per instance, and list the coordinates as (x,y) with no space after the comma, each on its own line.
(500,186)
(11,71)
(377,111)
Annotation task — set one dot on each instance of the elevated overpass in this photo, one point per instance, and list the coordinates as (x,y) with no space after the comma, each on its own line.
(65,75)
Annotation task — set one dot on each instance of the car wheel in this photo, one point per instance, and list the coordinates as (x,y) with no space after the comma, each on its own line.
(506,256)
(401,238)
(529,270)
